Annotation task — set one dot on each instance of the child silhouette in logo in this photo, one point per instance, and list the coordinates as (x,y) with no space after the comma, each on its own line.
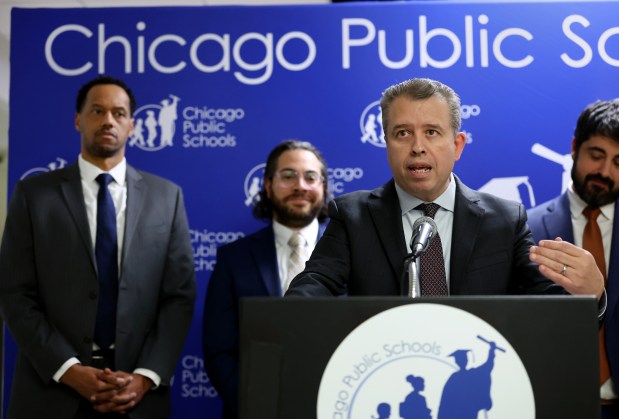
(414,405)
(383,410)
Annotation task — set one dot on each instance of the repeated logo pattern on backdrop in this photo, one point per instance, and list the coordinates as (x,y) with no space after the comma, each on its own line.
(219,87)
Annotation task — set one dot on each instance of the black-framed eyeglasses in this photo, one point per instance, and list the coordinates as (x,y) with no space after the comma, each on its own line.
(288,178)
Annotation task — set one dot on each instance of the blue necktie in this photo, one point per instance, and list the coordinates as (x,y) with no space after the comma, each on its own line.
(106,252)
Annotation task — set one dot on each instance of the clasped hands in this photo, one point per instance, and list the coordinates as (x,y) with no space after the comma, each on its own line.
(569,266)
(107,390)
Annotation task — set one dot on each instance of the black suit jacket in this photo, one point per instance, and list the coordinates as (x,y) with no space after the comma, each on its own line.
(49,287)
(363,248)
(245,268)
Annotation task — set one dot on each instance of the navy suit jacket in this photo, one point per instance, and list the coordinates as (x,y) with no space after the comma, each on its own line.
(553,219)
(363,248)
(49,288)
(245,268)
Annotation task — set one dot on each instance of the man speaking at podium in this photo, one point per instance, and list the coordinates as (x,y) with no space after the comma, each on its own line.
(587,214)
(483,245)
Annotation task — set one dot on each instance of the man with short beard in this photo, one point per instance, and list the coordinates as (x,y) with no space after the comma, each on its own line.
(595,187)
(293,200)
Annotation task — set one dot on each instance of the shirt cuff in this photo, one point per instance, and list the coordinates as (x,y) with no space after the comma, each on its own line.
(602,303)
(154,377)
(64,367)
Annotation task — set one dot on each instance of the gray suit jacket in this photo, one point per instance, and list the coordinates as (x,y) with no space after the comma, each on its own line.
(363,248)
(49,287)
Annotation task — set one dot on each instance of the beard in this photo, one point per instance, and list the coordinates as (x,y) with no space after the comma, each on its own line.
(592,194)
(294,217)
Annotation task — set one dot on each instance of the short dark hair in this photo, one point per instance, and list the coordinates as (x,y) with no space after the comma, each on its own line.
(101,79)
(420,89)
(599,118)
(263,208)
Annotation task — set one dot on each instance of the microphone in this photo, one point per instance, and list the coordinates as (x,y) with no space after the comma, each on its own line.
(424,229)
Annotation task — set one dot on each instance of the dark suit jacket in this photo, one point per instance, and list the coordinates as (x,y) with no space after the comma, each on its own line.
(363,248)
(49,287)
(553,219)
(245,268)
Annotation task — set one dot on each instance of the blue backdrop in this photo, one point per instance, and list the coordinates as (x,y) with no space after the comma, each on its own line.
(218,87)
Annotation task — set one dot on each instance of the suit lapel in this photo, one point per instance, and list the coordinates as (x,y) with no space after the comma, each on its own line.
(262,247)
(71,186)
(467,219)
(384,207)
(136,192)
(557,220)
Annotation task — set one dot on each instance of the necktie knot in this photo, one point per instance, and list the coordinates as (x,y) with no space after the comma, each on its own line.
(429,209)
(592,213)
(104,179)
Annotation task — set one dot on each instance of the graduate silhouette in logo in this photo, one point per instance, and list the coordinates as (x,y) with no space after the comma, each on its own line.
(467,391)
(414,405)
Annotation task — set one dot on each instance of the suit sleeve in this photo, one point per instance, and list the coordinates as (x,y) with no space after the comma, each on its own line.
(530,280)
(22,306)
(326,272)
(164,343)
(220,338)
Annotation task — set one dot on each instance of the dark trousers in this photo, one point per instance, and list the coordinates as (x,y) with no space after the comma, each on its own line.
(610,411)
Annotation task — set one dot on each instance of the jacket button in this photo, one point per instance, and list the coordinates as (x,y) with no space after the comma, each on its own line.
(92,295)
(87,340)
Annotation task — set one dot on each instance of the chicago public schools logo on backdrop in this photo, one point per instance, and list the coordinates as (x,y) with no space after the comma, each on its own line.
(155,125)
(425,361)
(253,184)
(59,163)
(371,124)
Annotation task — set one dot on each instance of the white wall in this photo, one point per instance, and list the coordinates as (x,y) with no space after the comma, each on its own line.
(5,31)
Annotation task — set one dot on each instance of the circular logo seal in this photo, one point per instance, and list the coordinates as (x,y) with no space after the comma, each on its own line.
(253,183)
(425,361)
(371,124)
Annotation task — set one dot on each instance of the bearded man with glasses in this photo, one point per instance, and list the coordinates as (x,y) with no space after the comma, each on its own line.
(293,200)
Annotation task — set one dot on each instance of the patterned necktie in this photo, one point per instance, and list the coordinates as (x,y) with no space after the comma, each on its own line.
(298,256)
(106,252)
(433,280)
(592,241)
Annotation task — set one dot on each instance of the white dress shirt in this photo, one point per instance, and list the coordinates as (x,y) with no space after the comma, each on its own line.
(282,235)
(444,218)
(118,190)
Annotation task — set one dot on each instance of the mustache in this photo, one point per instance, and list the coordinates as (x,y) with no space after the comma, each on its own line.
(599,178)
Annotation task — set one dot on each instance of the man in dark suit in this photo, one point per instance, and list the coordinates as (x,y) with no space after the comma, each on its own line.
(293,200)
(51,277)
(595,184)
(484,241)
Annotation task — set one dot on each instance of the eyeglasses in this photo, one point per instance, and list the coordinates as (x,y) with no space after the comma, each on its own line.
(288,178)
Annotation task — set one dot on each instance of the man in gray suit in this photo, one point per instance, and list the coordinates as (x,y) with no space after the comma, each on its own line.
(50,277)
(485,245)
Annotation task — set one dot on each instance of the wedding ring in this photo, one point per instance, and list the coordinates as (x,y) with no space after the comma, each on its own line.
(564,270)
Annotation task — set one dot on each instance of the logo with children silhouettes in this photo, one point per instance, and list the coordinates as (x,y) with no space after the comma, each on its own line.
(253,184)
(155,125)
(371,124)
(425,361)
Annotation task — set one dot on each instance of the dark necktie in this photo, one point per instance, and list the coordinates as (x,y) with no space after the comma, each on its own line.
(592,241)
(433,280)
(106,252)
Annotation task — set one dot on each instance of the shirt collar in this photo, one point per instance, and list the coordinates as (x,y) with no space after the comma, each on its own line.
(89,171)
(283,233)
(447,200)
(577,205)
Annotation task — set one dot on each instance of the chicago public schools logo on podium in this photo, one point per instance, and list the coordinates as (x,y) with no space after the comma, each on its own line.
(425,361)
